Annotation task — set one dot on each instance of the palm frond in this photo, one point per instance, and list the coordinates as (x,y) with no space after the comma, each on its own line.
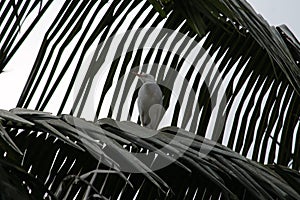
(126,164)
(257,76)
(19,184)
(12,32)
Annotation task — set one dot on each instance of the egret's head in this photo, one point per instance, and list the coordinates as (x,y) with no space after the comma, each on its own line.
(145,77)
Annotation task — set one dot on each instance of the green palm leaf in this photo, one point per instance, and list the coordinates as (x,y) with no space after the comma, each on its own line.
(225,73)
(256,64)
(203,165)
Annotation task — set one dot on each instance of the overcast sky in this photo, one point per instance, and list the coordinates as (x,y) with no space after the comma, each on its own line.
(278,12)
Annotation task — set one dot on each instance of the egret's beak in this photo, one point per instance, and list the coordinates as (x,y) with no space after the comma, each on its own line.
(137,74)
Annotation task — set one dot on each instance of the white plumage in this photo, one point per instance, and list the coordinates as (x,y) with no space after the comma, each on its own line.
(149,101)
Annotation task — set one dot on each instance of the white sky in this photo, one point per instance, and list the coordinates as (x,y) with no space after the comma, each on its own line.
(276,12)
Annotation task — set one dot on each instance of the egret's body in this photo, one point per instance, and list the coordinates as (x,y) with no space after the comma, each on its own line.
(149,101)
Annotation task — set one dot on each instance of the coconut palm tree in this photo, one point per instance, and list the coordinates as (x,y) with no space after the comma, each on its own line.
(230,81)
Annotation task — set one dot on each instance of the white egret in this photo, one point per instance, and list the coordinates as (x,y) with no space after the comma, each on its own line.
(149,101)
